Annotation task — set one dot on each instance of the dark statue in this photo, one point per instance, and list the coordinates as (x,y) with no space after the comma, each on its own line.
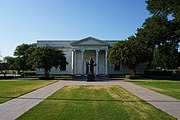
(90,75)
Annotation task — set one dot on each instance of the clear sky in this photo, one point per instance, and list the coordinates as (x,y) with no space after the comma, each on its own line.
(25,21)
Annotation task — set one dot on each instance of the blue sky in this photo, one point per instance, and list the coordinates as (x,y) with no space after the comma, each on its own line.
(25,21)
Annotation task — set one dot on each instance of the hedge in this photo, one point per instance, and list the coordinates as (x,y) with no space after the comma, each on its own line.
(133,76)
(29,73)
(162,73)
(6,77)
(47,78)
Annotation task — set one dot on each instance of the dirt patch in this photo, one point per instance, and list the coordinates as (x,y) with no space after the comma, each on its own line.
(112,93)
(70,88)
(94,87)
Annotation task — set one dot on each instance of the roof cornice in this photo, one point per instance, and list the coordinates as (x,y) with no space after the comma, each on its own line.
(77,43)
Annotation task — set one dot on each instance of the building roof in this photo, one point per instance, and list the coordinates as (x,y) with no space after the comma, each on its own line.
(83,42)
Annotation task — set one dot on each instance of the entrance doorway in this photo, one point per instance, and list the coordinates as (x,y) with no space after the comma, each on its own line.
(87,68)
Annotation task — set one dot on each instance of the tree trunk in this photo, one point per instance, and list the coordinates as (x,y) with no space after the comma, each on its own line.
(47,73)
(4,72)
(133,71)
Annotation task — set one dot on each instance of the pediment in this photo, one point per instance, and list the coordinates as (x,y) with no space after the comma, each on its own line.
(89,41)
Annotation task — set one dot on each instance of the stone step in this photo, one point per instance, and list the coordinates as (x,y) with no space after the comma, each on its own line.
(97,78)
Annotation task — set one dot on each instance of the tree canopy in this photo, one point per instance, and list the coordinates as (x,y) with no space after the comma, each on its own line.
(128,53)
(8,63)
(3,68)
(161,32)
(170,9)
(155,42)
(22,52)
(164,7)
(166,57)
(47,57)
(11,62)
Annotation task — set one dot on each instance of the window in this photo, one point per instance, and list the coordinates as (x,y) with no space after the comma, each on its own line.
(116,67)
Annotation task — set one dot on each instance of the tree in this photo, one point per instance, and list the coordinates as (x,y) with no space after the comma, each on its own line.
(160,30)
(164,7)
(30,50)
(11,63)
(8,63)
(47,57)
(155,30)
(22,52)
(128,53)
(3,68)
(170,9)
(1,57)
(166,57)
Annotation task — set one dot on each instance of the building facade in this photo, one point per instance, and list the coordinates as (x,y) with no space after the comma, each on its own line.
(78,53)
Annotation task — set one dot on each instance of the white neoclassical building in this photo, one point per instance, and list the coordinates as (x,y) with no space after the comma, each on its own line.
(78,53)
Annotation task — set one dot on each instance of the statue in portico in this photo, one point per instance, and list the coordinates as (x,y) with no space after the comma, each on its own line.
(90,75)
(91,66)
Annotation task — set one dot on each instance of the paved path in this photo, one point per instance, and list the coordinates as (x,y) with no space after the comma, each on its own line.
(163,102)
(14,108)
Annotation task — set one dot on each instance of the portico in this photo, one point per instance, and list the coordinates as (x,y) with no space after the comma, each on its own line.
(98,55)
(84,49)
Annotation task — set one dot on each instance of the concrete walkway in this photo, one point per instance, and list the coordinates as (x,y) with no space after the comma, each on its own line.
(14,108)
(160,101)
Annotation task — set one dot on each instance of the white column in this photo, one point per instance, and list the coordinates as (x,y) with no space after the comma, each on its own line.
(73,62)
(106,63)
(82,62)
(97,62)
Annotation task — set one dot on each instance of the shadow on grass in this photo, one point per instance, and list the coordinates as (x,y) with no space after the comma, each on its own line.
(91,100)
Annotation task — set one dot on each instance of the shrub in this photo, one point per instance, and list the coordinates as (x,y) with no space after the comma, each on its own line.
(176,73)
(46,78)
(116,76)
(6,77)
(133,76)
(161,73)
(29,73)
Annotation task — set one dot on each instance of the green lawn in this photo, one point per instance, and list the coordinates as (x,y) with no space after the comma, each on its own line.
(167,87)
(10,89)
(94,103)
